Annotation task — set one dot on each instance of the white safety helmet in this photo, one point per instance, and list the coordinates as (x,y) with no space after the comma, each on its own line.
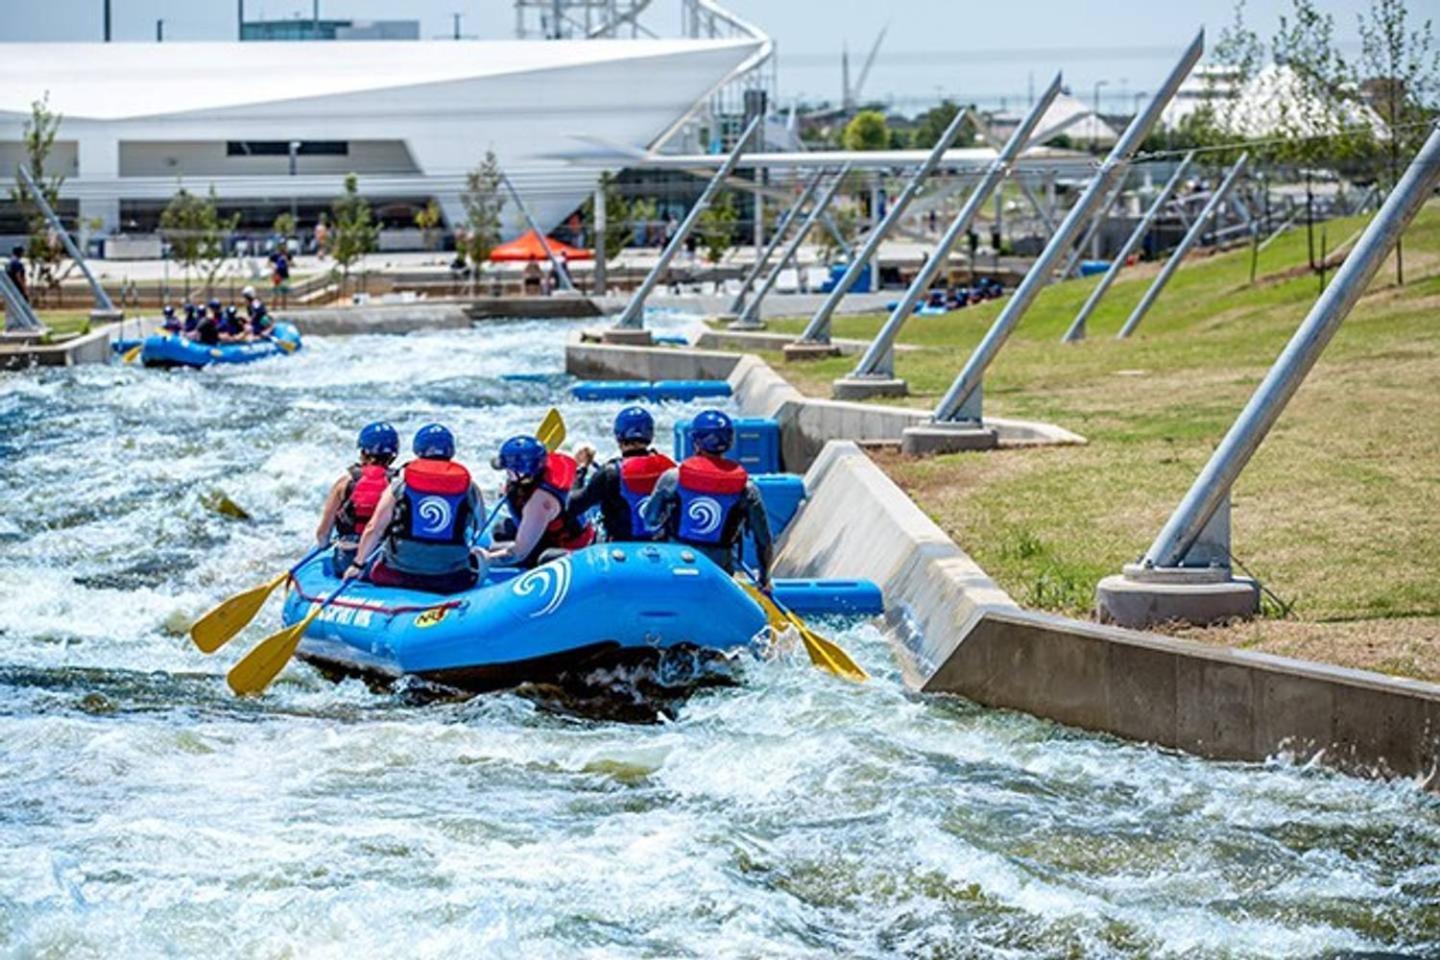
(248,293)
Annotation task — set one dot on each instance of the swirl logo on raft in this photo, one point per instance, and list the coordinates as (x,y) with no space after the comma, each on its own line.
(706,513)
(435,513)
(550,583)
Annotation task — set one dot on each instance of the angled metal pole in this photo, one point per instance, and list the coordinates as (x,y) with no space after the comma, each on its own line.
(102,299)
(781,228)
(19,315)
(1044,215)
(1096,222)
(828,223)
(1192,237)
(818,329)
(750,319)
(879,357)
(962,400)
(1213,484)
(560,272)
(1077,326)
(631,317)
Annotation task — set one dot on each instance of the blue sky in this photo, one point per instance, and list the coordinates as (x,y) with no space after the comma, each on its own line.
(972,51)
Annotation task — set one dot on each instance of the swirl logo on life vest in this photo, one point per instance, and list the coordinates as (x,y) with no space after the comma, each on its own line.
(434,514)
(706,513)
(549,583)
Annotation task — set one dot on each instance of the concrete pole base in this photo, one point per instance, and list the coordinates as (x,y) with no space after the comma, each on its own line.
(932,439)
(745,325)
(1141,598)
(624,336)
(800,351)
(722,319)
(106,316)
(866,388)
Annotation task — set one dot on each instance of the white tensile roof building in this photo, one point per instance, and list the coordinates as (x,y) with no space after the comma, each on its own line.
(409,118)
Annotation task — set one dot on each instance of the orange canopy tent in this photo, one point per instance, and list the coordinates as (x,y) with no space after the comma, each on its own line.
(528,247)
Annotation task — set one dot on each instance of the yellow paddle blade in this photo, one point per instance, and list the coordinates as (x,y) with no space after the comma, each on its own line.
(289,346)
(552,430)
(216,628)
(825,654)
(132,354)
(261,665)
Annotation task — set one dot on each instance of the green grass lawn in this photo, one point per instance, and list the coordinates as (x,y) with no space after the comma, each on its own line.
(65,323)
(1338,513)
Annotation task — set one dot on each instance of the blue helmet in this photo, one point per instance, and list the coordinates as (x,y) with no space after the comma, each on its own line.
(712,431)
(213,304)
(522,457)
(379,439)
(168,310)
(634,423)
(190,309)
(434,442)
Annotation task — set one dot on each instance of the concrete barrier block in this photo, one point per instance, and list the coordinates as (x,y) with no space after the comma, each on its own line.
(1214,709)
(1139,693)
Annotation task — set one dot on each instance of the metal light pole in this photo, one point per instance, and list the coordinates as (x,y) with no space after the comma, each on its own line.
(1077,326)
(1186,244)
(631,317)
(818,329)
(1213,484)
(160,30)
(1096,108)
(294,166)
(878,360)
(963,400)
(750,319)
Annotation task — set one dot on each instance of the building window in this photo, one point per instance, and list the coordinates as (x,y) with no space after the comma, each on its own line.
(281,148)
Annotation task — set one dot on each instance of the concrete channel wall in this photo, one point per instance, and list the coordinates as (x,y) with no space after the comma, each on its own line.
(956,632)
(459,314)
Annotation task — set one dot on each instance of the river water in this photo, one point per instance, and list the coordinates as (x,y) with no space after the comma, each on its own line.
(144,812)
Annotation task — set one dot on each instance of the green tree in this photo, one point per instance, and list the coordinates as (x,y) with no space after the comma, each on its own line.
(618,229)
(484,202)
(867,130)
(931,125)
(427,221)
(42,248)
(717,226)
(1312,105)
(284,225)
(354,233)
(1402,82)
(196,232)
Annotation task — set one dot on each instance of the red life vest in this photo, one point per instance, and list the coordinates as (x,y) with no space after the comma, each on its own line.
(362,494)
(638,476)
(435,502)
(556,480)
(710,490)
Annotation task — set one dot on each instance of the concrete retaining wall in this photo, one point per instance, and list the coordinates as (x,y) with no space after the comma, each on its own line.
(1215,702)
(399,318)
(858,523)
(92,347)
(806,423)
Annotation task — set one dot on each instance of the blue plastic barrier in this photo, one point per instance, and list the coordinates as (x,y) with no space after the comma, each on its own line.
(672,339)
(647,390)
(782,493)
(809,597)
(757,443)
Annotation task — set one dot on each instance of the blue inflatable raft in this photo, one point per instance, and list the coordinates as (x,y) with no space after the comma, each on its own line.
(600,605)
(174,350)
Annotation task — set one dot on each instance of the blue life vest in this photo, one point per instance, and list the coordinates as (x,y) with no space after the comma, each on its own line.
(710,490)
(436,495)
(638,476)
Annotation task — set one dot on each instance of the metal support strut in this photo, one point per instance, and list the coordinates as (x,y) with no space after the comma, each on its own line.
(19,316)
(632,316)
(750,319)
(962,401)
(561,274)
(818,330)
(781,228)
(1192,237)
(1077,326)
(878,360)
(1213,484)
(102,299)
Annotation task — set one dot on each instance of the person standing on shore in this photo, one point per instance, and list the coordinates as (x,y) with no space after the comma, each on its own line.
(15,270)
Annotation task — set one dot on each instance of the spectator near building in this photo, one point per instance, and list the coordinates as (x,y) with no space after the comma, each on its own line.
(15,270)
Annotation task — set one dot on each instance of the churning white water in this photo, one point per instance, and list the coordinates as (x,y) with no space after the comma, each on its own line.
(145,812)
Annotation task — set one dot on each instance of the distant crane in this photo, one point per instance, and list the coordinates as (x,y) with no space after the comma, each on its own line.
(851,95)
